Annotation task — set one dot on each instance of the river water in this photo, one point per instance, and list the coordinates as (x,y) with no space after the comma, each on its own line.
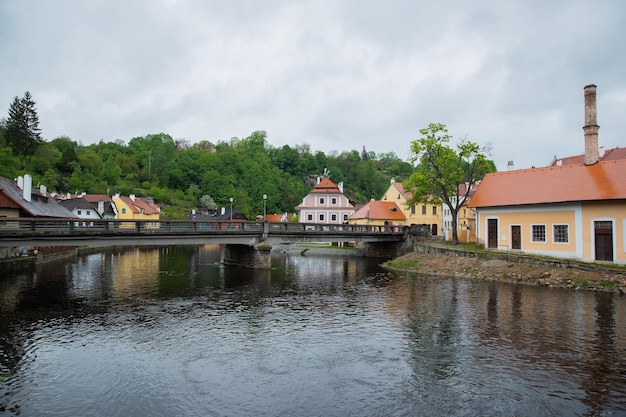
(170,332)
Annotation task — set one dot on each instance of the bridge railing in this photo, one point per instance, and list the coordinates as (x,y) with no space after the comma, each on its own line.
(57,226)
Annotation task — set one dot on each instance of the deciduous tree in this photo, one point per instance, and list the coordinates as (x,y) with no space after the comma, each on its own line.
(441,169)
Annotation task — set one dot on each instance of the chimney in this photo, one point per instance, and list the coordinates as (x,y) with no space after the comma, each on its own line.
(132,197)
(101,207)
(591,127)
(43,190)
(510,166)
(340,186)
(28,187)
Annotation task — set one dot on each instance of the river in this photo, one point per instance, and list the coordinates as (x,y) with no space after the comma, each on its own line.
(170,332)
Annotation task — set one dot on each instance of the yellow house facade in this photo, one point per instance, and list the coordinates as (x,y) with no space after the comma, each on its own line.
(422,213)
(134,208)
(576,210)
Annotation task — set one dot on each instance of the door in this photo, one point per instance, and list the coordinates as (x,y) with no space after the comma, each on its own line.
(492,233)
(516,237)
(434,230)
(604,240)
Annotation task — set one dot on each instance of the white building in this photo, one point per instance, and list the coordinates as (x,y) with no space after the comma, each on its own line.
(325,204)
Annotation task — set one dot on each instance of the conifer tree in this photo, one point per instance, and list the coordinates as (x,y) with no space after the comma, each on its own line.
(23,134)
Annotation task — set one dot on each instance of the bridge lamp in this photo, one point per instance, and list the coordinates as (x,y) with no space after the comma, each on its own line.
(231,208)
(264,206)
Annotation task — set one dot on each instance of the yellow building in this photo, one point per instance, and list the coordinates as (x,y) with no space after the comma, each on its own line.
(575,210)
(133,208)
(421,213)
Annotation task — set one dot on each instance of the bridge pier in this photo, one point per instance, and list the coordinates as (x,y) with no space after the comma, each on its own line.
(385,249)
(258,256)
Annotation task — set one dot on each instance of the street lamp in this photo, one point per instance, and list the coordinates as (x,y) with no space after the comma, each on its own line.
(264,206)
(231,208)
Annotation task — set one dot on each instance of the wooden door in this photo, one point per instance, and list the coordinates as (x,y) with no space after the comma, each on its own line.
(492,233)
(604,240)
(516,237)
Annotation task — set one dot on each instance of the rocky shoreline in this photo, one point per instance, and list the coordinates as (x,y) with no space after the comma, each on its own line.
(557,275)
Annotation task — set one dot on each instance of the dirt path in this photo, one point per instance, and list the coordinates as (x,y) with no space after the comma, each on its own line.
(505,271)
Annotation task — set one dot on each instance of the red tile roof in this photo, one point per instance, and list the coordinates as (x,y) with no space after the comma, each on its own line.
(379,210)
(605,180)
(609,155)
(94,198)
(137,204)
(326,186)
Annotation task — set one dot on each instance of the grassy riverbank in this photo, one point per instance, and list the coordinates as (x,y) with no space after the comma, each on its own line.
(470,262)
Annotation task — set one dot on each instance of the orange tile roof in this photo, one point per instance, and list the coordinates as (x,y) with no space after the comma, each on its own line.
(609,155)
(379,210)
(326,186)
(138,204)
(605,180)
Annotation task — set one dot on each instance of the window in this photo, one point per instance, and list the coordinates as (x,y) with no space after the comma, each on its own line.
(423,209)
(539,232)
(561,233)
(345,218)
(333,201)
(413,210)
(123,210)
(321,217)
(309,217)
(333,217)
(321,200)
(78,212)
(434,210)
(88,212)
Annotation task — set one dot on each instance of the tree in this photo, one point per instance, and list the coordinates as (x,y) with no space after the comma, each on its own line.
(22,127)
(442,169)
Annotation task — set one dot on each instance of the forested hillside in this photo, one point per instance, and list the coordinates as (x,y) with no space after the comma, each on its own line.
(181,176)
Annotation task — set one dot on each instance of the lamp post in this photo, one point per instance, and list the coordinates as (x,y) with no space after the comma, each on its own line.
(264,206)
(231,208)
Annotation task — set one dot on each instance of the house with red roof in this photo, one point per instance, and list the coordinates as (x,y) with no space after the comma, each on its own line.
(325,204)
(378,213)
(134,208)
(571,210)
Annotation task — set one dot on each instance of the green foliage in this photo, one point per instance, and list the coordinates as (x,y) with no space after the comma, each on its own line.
(178,174)
(441,169)
(406,263)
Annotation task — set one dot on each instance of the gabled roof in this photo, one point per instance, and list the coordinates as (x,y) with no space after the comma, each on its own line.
(94,198)
(138,204)
(326,186)
(405,194)
(379,210)
(609,155)
(77,203)
(605,180)
(39,206)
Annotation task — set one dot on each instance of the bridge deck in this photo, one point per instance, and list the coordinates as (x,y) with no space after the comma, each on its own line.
(82,232)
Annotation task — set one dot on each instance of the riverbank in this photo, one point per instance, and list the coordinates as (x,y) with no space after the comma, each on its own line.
(545,273)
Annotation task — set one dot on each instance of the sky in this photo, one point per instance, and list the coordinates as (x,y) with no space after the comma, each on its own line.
(337,75)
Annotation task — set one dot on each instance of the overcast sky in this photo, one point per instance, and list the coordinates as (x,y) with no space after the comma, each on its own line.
(336,75)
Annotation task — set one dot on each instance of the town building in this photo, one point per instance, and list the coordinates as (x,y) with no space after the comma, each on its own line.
(379,213)
(570,210)
(325,204)
(19,199)
(419,214)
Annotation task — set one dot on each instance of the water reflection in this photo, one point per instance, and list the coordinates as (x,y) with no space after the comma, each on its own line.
(169,331)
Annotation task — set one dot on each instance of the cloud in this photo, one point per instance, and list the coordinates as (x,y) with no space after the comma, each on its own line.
(337,75)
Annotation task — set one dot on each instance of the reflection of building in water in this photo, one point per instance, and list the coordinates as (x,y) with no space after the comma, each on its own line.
(135,269)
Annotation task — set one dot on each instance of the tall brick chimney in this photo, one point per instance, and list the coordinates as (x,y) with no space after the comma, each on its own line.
(591,127)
